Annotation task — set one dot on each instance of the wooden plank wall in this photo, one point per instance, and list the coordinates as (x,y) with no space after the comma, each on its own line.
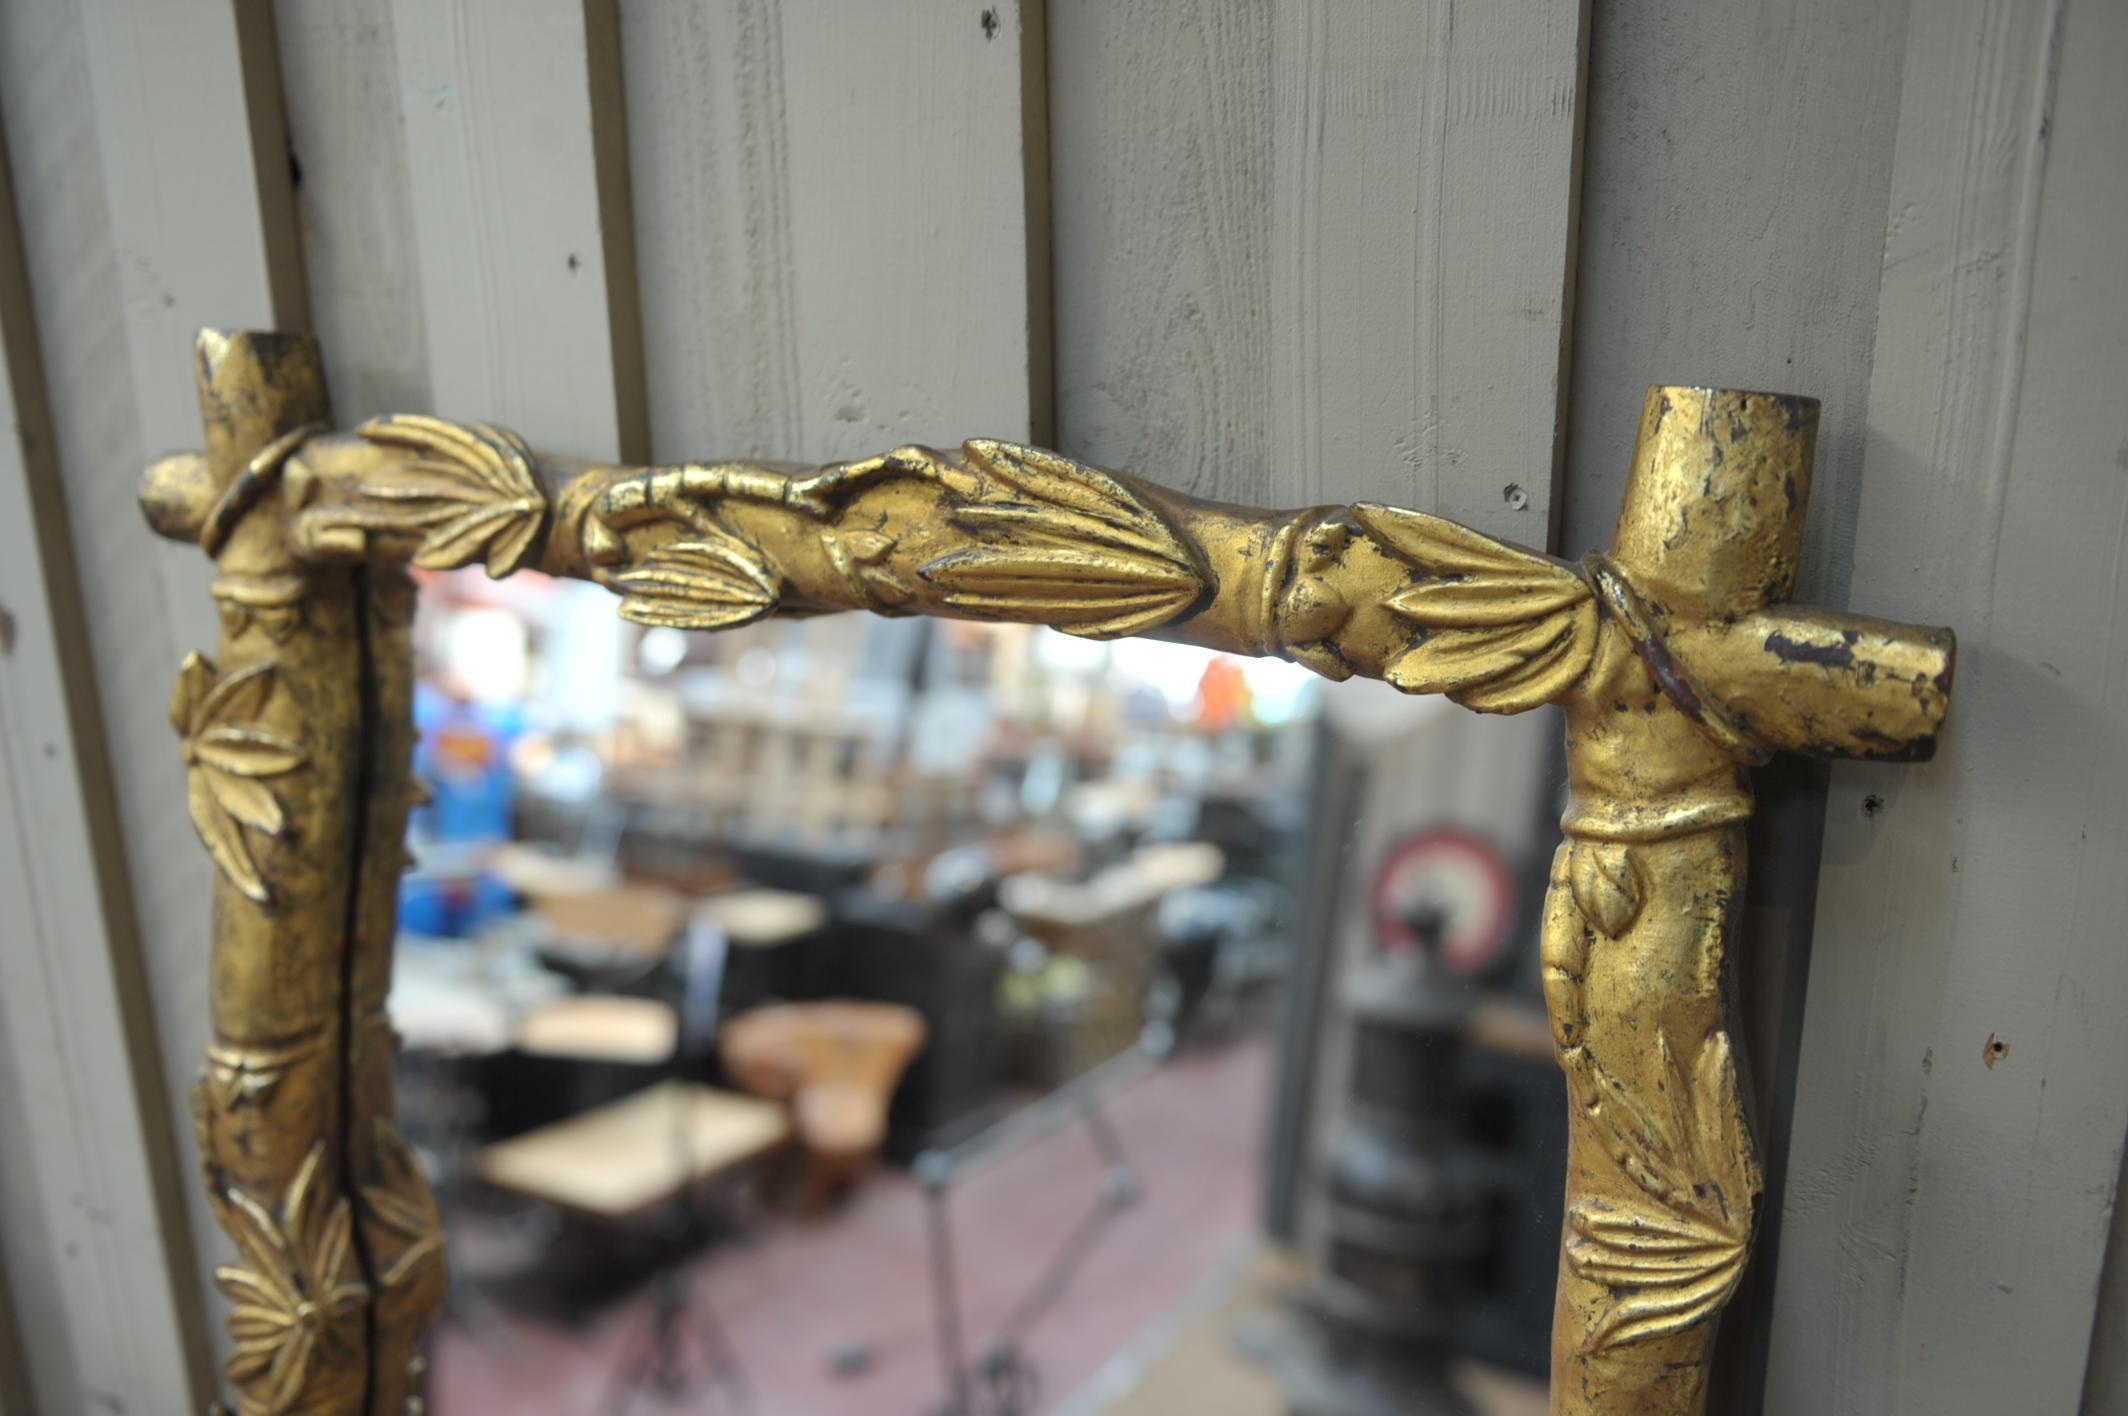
(833,209)
(134,134)
(1275,251)
(96,1241)
(1948,1211)
(1313,251)
(511,117)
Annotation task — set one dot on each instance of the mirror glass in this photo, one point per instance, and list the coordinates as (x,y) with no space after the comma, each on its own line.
(905,1016)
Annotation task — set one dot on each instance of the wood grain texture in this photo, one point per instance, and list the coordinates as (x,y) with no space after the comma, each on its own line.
(354,203)
(94,1226)
(121,263)
(832,205)
(1735,174)
(706,140)
(1946,1216)
(908,222)
(1310,251)
(1161,219)
(522,226)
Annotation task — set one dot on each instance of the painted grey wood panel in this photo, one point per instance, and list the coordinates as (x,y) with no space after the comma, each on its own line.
(93,1228)
(1963,1093)
(1734,185)
(1161,215)
(706,139)
(354,203)
(832,205)
(1311,251)
(518,170)
(146,210)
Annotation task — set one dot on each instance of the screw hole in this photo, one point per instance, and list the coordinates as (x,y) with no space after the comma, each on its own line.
(990,24)
(1514,496)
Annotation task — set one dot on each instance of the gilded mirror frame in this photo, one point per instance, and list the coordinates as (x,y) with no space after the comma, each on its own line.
(1672,654)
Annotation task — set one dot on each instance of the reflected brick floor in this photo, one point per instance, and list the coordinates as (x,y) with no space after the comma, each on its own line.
(796,1290)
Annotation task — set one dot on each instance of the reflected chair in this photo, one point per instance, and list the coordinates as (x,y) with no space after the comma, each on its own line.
(835,1066)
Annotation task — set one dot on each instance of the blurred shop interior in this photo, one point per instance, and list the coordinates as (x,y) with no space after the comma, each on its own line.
(865,1015)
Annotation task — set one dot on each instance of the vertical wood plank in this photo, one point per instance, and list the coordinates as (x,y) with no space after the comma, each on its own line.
(1734,182)
(354,203)
(150,136)
(712,218)
(833,206)
(516,158)
(85,1083)
(908,222)
(1160,165)
(1312,251)
(1947,1212)
(195,174)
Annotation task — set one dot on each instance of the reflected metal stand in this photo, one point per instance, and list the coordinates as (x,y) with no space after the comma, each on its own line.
(654,1358)
(1003,1382)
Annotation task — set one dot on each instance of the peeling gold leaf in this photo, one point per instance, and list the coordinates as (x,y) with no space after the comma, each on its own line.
(1609,885)
(1674,1258)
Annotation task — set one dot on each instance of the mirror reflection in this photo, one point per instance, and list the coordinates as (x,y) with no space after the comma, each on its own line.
(911,1016)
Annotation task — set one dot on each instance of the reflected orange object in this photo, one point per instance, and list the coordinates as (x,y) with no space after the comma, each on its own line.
(1222,693)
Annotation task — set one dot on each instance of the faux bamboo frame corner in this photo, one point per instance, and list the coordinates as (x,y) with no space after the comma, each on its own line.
(1673,656)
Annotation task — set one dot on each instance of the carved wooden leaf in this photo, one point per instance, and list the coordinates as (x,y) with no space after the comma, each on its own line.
(1507,629)
(401,1204)
(469,493)
(715,581)
(1672,1260)
(225,756)
(1063,544)
(1607,882)
(298,1297)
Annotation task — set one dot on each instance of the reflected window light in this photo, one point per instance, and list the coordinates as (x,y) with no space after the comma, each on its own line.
(1174,671)
(1068,653)
(660,650)
(488,655)
(1279,691)
(756,668)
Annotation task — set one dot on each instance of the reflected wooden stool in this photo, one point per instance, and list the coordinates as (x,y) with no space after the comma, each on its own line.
(616,1161)
(835,1066)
